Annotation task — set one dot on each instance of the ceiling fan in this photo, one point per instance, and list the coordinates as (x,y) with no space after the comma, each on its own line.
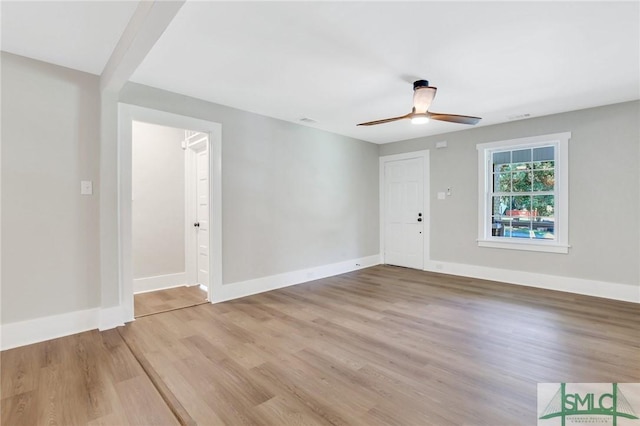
(423,95)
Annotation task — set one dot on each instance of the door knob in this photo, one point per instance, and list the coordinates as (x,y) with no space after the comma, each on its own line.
(197,224)
(419,219)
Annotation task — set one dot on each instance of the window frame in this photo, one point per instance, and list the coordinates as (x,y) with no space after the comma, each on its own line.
(561,188)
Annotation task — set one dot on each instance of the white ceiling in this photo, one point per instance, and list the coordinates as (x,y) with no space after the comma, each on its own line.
(76,34)
(341,63)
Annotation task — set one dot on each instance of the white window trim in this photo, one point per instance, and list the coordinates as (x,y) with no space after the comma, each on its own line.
(561,243)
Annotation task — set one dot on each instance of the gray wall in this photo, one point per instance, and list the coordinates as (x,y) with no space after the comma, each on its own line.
(293,197)
(158,205)
(604,158)
(50,141)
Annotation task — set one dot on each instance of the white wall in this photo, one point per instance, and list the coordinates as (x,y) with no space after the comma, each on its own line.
(50,141)
(604,177)
(158,206)
(293,197)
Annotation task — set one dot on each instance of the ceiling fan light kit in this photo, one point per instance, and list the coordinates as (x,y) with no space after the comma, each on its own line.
(423,95)
(419,118)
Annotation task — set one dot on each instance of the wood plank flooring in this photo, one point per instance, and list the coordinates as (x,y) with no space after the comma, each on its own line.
(89,378)
(387,345)
(155,302)
(380,346)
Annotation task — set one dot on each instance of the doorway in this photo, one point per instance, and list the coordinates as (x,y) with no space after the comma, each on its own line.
(127,115)
(404,209)
(170,218)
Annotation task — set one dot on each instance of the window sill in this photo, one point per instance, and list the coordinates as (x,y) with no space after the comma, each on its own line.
(525,245)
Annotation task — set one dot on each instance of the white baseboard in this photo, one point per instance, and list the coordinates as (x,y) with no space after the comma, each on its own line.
(159,282)
(37,330)
(113,317)
(40,329)
(15,334)
(260,285)
(607,290)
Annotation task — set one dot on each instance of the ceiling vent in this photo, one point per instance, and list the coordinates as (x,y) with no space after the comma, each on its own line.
(518,116)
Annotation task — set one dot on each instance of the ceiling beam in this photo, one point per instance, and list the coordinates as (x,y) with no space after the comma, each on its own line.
(149,21)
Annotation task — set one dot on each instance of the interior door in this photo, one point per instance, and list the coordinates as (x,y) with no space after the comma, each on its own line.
(202,212)
(403,213)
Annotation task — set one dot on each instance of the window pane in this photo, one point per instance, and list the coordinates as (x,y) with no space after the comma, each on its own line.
(522,204)
(521,229)
(546,153)
(498,226)
(502,182)
(502,157)
(521,182)
(521,156)
(543,205)
(500,223)
(543,180)
(544,224)
(501,205)
(543,165)
(544,228)
(521,166)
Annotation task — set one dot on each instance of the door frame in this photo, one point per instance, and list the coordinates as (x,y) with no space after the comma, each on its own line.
(424,155)
(126,115)
(191,239)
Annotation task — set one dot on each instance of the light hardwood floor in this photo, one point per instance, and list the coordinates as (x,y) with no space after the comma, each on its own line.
(155,302)
(380,346)
(89,378)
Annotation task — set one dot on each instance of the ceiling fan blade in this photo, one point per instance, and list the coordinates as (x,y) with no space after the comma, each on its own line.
(454,118)
(386,120)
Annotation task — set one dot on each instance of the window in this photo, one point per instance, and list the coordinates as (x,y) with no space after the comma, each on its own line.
(523,193)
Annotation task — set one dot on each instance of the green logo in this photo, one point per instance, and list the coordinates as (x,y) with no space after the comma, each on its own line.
(585,404)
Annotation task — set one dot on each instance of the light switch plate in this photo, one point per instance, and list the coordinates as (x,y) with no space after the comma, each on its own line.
(86,187)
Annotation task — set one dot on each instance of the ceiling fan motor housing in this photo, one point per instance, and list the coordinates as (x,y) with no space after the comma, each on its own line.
(420,83)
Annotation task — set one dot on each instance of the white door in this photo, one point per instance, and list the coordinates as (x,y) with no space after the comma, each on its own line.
(403,213)
(202,211)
